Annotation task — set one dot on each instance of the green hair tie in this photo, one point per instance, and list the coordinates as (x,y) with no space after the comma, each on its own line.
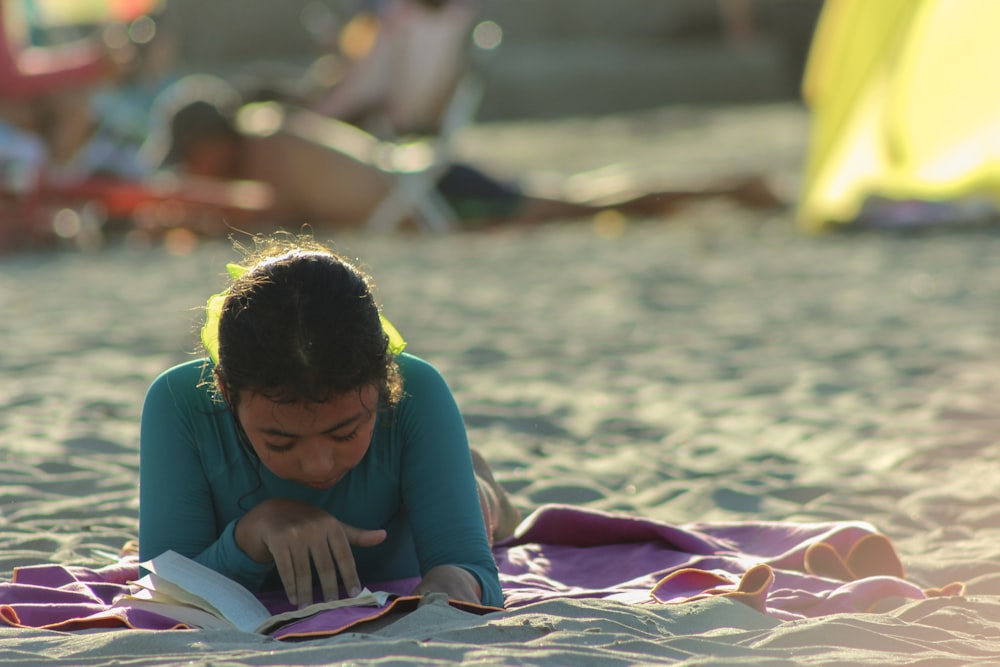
(213,314)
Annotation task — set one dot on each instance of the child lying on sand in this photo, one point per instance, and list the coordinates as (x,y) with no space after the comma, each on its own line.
(311,440)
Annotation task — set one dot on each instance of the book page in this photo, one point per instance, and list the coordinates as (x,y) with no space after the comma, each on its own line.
(176,580)
(158,604)
(234,602)
(157,589)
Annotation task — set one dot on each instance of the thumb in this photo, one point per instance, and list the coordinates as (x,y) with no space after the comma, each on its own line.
(360,537)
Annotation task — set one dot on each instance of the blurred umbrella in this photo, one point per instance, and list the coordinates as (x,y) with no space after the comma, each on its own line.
(904,105)
(88,12)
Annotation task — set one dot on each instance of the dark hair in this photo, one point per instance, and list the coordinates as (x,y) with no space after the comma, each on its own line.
(194,123)
(302,325)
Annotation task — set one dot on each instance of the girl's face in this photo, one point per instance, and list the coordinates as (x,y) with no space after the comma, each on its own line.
(315,444)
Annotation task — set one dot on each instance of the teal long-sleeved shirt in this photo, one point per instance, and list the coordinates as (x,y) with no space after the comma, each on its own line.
(196,480)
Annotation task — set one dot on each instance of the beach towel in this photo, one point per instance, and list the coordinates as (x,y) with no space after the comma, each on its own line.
(786,570)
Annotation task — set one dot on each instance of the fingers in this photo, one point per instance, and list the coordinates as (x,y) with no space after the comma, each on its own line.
(338,557)
(326,571)
(303,578)
(364,538)
(322,543)
(295,567)
(341,550)
(286,570)
(332,557)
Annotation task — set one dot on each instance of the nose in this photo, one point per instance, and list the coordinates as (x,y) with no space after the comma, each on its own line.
(319,461)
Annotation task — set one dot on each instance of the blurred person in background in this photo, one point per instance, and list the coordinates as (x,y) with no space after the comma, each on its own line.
(405,60)
(45,114)
(44,90)
(320,170)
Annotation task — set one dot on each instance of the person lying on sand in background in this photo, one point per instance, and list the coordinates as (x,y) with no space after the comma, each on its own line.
(309,439)
(320,170)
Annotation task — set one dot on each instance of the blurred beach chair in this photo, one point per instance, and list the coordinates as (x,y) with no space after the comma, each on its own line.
(416,75)
(419,81)
(412,165)
(415,164)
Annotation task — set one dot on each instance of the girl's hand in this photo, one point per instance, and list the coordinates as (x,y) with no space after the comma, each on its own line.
(457,583)
(296,537)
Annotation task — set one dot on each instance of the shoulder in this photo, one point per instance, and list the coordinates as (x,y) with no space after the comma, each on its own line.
(195,372)
(419,375)
(426,394)
(187,383)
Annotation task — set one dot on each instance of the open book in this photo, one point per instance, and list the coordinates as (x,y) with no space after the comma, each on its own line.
(190,593)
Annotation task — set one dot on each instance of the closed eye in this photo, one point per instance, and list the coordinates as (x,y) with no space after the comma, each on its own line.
(275,447)
(346,438)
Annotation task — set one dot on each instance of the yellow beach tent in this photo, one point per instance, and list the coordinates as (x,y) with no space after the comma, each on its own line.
(904,98)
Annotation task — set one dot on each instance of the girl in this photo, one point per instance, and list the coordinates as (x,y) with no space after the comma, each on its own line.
(310,445)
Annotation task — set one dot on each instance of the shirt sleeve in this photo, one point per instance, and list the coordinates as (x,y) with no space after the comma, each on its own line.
(175,495)
(438,483)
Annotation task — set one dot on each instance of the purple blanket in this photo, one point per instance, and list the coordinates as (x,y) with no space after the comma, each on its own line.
(787,570)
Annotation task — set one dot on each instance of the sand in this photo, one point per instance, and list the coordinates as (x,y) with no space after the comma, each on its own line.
(719,365)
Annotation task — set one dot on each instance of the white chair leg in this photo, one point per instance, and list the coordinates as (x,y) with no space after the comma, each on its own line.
(414,195)
(436,214)
(391,212)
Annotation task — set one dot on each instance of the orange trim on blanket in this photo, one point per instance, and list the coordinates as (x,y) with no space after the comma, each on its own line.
(871,556)
(822,560)
(874,555)
(751,589)
(9,616)
(954,589)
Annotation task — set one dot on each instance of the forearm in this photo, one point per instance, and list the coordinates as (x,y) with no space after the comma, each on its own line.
(176,503)
(456,582)
(247,538)
(440,492)
(225,556)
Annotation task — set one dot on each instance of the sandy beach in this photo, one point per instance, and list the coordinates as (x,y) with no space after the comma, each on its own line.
(719,365)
